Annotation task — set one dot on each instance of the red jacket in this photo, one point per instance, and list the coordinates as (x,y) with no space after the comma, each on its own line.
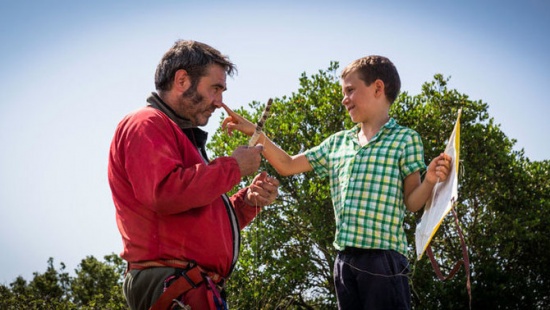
(168,200)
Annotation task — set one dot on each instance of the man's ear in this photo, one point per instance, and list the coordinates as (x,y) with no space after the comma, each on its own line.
(182,81)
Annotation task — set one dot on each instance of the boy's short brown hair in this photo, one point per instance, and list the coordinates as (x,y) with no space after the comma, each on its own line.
(374,67)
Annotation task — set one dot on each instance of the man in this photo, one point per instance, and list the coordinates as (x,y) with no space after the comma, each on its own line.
(179,229)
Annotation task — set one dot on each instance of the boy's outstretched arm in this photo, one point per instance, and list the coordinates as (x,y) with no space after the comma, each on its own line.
(280,160)
(417,192)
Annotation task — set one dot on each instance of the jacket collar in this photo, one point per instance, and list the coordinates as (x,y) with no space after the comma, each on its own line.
(197,136)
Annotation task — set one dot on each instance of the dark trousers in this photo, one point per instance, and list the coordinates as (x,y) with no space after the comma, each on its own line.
(142,288)
(371,279)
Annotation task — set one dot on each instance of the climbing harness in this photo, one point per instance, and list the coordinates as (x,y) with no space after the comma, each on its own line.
(188,276)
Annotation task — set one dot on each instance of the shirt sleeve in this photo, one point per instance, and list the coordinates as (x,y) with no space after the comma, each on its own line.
(245,213)
(413,155)
(318,158)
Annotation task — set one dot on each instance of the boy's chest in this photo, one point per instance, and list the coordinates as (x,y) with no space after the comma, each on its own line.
(376,153)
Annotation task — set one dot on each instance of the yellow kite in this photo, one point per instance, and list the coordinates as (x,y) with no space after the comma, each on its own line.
(444,195)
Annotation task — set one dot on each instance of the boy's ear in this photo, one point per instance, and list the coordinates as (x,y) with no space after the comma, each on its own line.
(182,81)
(379,88)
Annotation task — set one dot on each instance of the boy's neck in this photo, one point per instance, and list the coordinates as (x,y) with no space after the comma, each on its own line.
(370,128)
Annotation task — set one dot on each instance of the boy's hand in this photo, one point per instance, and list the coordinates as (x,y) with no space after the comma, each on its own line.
(236,122)
(439,169)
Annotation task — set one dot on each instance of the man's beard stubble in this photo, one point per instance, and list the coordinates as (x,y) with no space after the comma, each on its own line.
(192,95)
(190,104)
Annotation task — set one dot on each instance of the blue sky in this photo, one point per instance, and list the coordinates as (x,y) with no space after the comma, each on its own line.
(70,70)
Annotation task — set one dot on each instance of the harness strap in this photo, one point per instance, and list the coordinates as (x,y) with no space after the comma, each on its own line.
(175,263)
(188,280)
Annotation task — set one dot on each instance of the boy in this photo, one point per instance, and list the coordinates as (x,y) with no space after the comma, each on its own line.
(374,171)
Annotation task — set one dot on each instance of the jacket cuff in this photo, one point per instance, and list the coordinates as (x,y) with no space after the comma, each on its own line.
(238,198)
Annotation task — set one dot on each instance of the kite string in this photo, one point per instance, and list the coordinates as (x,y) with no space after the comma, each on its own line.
(402,273)
(256,255)
(257,236)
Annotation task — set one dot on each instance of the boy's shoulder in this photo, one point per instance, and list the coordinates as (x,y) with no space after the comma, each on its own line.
(342,134)
(393,125)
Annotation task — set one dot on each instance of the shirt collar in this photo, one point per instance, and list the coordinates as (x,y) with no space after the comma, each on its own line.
(156,102)
(390,124)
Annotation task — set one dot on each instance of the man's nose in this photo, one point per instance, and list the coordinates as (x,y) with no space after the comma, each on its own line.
(218,100)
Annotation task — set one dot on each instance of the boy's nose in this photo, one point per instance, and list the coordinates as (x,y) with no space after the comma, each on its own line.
(345,100)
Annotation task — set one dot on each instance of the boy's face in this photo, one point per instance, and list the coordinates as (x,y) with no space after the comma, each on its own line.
(359,99)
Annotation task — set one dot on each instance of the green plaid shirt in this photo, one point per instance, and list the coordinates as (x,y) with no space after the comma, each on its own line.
(366,184)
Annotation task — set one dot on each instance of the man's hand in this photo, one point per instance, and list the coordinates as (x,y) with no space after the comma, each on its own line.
(263,190)
(248,158)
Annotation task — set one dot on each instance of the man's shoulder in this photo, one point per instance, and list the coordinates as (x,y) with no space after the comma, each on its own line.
(142,118)
(145,113)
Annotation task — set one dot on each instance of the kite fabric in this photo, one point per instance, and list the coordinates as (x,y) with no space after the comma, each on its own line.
(444,195)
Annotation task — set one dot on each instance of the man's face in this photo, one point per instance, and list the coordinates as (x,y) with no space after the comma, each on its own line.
(199,102)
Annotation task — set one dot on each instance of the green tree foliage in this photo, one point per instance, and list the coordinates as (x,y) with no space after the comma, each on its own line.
(288,255)
(97,285)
